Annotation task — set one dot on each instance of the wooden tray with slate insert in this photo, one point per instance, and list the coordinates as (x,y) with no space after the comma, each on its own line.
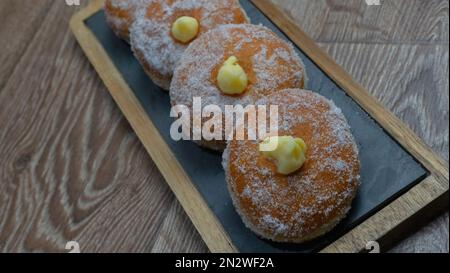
(403,181)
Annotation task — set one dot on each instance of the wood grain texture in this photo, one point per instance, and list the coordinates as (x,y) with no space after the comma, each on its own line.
(353,21)
(71,167)
(15,36)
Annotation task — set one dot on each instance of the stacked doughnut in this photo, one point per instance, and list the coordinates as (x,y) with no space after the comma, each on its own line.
(302,188)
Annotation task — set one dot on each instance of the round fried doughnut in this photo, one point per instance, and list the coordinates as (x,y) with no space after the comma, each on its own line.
(270,63)
(120,15)
(310,202)
(153,43)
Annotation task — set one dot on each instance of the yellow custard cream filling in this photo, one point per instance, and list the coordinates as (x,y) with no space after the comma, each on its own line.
(289,153)
(185,29)
(232,79)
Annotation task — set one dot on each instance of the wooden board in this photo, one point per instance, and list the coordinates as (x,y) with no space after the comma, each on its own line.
(428,191)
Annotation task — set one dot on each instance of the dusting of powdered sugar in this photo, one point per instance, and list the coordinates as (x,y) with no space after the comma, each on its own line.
(304,202)
(128,6)
(192,78)
(150,37)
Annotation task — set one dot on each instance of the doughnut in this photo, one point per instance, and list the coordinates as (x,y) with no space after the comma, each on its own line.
(151,35)
(120,15)
(271,65)
(308,203)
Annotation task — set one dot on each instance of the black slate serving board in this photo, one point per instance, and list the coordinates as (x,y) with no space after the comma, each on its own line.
(387,170)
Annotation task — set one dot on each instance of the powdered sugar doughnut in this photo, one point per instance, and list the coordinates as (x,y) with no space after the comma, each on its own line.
(310,202)
(151,37)
(270,63)
(120,15)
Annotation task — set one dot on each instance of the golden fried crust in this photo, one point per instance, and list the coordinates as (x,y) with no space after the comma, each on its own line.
(270,63)
(151,37)
(309,203)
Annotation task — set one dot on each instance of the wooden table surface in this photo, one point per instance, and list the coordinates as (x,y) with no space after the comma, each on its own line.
(71,168)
